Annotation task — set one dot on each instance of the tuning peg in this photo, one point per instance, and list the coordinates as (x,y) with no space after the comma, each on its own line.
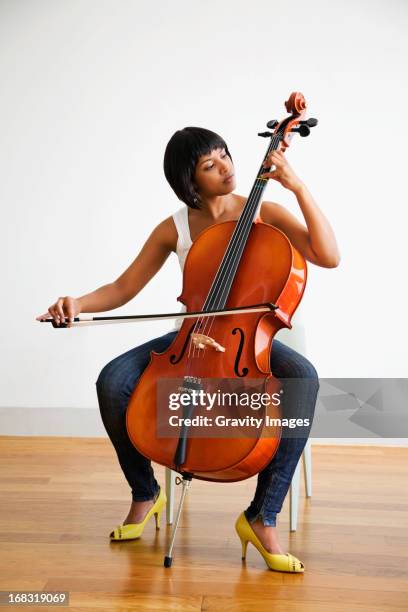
(303,130)
(272,124)
(265,134)
(310,122)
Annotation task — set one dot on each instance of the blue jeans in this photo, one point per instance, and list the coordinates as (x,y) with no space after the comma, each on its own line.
(118,379)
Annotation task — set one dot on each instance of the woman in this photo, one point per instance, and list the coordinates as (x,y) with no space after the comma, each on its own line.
(199,168)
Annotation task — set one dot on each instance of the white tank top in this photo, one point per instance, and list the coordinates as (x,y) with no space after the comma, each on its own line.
(184,243)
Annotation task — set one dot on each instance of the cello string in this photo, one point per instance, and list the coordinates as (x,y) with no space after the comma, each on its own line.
(247,222)
(238,240)
(218,299)
(222,272)
(221,288)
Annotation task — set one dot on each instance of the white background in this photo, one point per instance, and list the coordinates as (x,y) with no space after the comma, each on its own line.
(91,93)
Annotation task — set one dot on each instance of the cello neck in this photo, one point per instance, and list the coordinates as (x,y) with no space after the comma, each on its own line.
(256,193)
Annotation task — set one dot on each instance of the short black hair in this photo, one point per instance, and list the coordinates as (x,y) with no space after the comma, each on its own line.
(182,153)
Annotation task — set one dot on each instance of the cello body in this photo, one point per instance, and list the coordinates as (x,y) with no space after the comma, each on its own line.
(270,270)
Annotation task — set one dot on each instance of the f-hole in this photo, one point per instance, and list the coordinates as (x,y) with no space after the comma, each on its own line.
(173,358)
(239,352)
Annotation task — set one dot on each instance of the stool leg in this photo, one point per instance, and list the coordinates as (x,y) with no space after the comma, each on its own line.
(170,480)
(307,468)
(168,559)
(294,498)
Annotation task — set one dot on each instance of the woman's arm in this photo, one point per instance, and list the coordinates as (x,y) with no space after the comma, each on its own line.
(316,242)
(152,256)
(148,262)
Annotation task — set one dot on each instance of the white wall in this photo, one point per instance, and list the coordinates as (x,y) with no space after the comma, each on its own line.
(93,90)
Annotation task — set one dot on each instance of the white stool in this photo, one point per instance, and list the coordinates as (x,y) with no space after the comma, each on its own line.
(293,491)
(295,338)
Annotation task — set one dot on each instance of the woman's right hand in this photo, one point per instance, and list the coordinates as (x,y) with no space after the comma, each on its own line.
(66,306)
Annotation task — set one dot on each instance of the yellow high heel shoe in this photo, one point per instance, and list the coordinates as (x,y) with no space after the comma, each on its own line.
(276,562)
(132,531)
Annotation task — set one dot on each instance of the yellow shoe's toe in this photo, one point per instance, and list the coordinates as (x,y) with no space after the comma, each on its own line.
(295,564)
(114,535)
(133,531)
(284,563)
(127,532)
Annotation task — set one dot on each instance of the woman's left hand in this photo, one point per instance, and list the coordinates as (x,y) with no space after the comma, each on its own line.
(283,172)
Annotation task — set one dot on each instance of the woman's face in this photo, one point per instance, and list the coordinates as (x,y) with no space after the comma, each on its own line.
(214,174)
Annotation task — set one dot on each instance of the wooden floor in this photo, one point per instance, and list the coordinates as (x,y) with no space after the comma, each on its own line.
(60,498)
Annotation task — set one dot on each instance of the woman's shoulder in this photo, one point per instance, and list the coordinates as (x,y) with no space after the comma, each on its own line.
(166,233)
